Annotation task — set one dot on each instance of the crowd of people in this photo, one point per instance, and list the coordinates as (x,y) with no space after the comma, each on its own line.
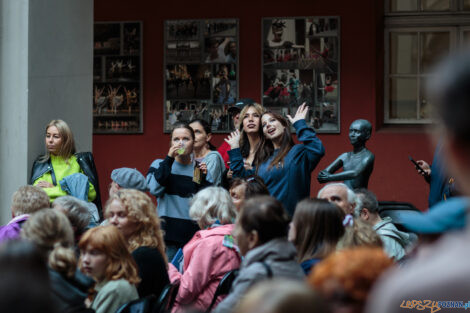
(245,213)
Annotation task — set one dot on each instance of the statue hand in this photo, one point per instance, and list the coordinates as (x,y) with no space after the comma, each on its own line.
(301,113)
(323,176)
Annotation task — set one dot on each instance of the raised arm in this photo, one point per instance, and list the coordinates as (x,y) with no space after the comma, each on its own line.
(235,155)
(312,146)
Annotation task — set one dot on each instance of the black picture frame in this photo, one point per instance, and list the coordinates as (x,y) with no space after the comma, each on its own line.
(117,78)
(300,63)
(201,71)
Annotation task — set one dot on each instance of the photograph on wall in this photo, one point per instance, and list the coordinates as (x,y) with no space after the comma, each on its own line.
(117,78)
(107,39)
(301,64)
(183,51)
(188,81)
(201,71)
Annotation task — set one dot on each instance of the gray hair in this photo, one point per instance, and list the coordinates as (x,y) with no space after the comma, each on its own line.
(76,211)
(212,204)
(366,199)
(352,199)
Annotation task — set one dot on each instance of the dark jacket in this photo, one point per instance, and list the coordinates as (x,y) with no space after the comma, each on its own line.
(152,271)
(87,164)
(69,294)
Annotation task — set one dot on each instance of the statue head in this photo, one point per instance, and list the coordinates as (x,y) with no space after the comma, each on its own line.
(359,132)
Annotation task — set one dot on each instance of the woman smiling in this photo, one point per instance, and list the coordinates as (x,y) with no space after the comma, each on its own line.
(284,166)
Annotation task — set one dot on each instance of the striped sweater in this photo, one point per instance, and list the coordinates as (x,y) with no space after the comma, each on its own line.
(172,184)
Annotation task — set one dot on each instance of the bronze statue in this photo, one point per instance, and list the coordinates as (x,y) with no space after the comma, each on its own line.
(357,164)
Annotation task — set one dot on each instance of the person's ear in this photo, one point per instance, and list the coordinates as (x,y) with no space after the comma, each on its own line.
(365,214)
(209,137)
(253,239)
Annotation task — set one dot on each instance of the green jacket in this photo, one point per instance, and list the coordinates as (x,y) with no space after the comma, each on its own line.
(112,294)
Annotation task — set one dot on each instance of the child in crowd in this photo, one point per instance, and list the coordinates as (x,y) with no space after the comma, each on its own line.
(104,256)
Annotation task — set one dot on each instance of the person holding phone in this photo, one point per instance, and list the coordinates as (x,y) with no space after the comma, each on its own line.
(441,185)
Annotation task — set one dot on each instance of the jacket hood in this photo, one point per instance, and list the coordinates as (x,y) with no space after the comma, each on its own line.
(387,228)
(278,249)
(221,230)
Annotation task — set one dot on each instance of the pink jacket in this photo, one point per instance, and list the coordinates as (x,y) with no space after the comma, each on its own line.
(206,260)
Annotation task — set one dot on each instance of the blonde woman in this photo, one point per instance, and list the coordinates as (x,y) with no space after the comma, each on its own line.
(53,170)
(104,256)
(52,233)
(133,213)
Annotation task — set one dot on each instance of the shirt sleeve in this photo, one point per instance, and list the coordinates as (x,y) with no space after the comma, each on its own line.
(215,167)
(52,192)
(237,165)
(312,147)
(91,192)
(158,174)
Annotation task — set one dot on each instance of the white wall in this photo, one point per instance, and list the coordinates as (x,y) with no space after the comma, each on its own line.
(46,72)
(13,100)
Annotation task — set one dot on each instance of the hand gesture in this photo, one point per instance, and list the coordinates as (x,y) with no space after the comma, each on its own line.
(233,139)
(44,184)
(301,113)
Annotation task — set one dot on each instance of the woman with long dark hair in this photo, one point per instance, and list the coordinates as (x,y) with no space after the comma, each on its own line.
(284,166)
(315,230)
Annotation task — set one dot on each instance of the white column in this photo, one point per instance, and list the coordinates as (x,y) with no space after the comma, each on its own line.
(46,72)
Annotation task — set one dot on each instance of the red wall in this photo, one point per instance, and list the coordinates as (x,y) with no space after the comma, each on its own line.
(394,177)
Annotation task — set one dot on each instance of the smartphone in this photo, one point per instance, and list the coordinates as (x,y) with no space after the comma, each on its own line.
(417,165)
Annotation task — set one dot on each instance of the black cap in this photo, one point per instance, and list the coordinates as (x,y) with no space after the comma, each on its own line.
(240,104)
